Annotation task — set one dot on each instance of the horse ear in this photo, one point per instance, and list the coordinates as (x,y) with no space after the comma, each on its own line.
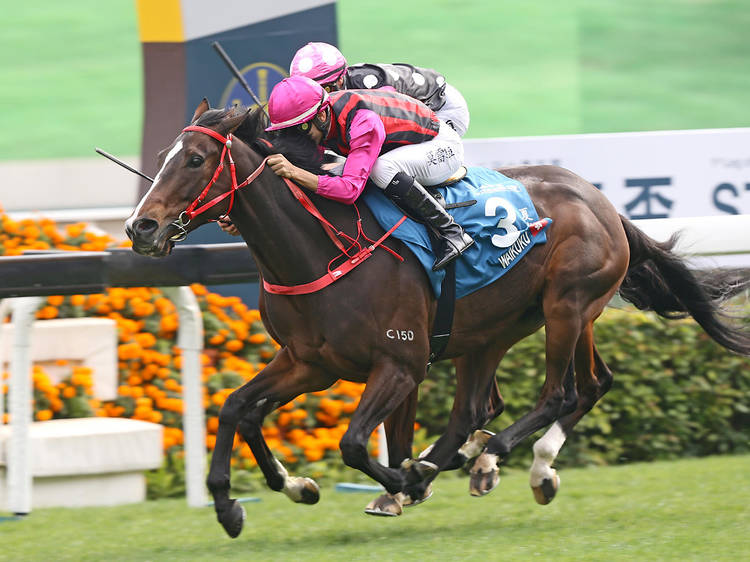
(235,121)
(203,106)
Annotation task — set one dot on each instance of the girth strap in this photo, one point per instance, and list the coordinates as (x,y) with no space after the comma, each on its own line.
(441,326)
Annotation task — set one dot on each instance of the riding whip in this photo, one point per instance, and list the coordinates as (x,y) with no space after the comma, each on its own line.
(123,164)
(237,74)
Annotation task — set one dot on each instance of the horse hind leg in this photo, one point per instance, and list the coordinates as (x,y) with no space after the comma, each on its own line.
(593,380)
(544,479)
(562,330)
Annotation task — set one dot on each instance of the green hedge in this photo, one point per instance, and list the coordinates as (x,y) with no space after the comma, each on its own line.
(676,393)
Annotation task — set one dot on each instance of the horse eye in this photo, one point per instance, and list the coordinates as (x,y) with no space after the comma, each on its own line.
(195,161)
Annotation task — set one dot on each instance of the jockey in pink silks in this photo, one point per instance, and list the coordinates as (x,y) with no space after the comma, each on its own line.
(387,137)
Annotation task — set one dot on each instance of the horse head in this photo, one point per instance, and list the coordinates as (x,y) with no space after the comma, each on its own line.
(190,174)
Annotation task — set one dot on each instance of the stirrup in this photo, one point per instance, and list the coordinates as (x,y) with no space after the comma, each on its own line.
(458,176)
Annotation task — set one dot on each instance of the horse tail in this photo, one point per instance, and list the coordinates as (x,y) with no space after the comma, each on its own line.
(659,280)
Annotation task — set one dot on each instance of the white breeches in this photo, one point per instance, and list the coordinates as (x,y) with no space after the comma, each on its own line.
(429,163)
(455,110)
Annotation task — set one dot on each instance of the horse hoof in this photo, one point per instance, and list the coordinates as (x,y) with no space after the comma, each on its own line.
(233,519)
(310,493)
(386,505)
(482,483)
(545,492)
(409,502)
(302,490)
(485,475)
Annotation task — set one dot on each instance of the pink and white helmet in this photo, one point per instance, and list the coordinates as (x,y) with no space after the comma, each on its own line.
(295,100)
(322,62)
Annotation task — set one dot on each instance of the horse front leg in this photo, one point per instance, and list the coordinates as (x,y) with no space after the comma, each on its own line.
(387,386)
(399,431)
(282,379)
(298,489)
(474,404)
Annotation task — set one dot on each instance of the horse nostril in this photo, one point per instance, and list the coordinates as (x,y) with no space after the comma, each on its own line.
(144,227)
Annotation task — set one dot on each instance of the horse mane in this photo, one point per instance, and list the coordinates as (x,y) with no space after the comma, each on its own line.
(297,147)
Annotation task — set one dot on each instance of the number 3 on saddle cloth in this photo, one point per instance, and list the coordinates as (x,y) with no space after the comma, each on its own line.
(503,222)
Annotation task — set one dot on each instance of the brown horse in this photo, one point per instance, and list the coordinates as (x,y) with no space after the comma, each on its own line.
(340,332)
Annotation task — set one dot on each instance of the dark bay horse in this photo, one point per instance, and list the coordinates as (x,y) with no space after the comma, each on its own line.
(340,332)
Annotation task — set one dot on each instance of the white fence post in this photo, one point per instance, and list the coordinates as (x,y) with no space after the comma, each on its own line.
(19,453)
(190,339)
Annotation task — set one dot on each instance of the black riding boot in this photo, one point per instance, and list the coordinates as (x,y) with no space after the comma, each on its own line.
(414,200)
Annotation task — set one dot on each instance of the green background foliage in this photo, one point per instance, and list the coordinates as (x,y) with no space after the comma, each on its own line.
(72,71)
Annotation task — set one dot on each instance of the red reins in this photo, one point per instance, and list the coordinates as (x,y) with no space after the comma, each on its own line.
(334,234)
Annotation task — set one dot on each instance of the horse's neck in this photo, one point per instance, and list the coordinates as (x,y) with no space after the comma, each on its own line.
(288,243)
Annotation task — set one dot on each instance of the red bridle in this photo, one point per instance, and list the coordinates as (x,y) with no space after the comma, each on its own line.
(334,234)
(191,212)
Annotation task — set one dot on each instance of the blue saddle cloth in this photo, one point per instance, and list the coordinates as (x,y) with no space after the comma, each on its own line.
(503,222)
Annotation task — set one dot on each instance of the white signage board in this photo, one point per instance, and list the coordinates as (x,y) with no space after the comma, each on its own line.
(660,174)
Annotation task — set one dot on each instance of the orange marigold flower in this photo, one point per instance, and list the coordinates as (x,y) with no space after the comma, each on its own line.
(315,454)
(171,384)
(212,424)
(144,309)
(145,339)
(199,289)
(77,300)
(257,338)
(75,230)
(168,323)
(55,300)
(216,339)
(47,312)
(69,392)
(234,345)
(128,351)
(44,415)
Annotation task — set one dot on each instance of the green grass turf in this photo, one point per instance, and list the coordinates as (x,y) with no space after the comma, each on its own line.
(71,71)
(693,509)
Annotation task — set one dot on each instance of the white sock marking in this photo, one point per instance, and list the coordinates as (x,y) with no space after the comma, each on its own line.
(545,452)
